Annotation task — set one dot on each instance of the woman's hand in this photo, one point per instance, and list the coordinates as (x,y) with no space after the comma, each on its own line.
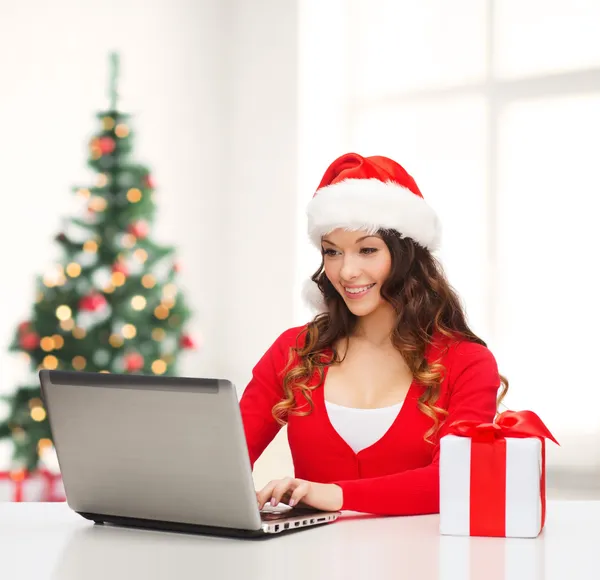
(322,496)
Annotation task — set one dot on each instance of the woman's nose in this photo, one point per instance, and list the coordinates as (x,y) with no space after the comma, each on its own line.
(350,270)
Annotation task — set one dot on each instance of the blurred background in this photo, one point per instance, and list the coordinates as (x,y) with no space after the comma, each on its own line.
(238,107)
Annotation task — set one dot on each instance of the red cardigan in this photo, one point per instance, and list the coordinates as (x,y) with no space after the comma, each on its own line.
(398,474)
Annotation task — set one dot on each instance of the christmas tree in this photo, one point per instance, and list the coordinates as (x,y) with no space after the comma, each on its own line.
(111,302)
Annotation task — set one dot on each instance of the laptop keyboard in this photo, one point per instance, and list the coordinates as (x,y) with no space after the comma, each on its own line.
(273,514)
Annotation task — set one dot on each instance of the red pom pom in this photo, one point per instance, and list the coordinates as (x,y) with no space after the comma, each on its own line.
(120,267)
(29,341)
(92,302)
(106,144)
(139,229)
(134,362)
(187,342)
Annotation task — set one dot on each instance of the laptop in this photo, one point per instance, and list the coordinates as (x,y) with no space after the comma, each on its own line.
(165,453)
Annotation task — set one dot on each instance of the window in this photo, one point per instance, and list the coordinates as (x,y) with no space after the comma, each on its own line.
(494,108)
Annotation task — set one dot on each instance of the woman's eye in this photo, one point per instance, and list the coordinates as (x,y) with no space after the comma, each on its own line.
(368,250)
(329,252)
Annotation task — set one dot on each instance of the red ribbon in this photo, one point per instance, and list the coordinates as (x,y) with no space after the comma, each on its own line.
(488,466)
(19,478)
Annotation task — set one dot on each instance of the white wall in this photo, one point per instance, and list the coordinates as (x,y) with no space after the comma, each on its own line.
(212,86)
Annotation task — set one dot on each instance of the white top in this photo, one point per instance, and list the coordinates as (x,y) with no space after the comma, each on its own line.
(360,428)
(67,547)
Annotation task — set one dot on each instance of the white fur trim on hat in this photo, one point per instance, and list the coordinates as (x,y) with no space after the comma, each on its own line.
(371,204)
(313,297)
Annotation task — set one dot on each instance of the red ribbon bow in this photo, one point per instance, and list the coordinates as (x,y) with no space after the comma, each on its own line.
(508,424)
(488,466)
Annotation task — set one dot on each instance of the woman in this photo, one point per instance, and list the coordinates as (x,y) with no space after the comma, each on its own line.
(370,385)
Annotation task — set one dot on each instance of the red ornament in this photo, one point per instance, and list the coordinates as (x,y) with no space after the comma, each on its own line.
(176,267)
(120,267)
(139,229)
(149,182)
(92,302)
(187,342)
(106,145)
(24,326)
(29,341)
(134,361)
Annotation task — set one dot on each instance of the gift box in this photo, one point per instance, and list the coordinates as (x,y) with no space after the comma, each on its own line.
(493,477)
(38,485)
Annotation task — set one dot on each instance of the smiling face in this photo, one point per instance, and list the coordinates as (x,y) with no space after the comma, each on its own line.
(357,264)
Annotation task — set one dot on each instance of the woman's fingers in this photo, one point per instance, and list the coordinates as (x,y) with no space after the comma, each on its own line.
(301,490)
(281,487)
(265,494)
(287,490)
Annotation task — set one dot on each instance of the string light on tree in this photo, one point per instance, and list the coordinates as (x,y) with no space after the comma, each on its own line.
(148,281)
(161,312)
(159,334)
(134,195)
(38,414)
(108,123)
(35,402)
(47,344)
(128,241)
(118,279)
(140,255)
(44,445)
(50,362)
(129,331)
(159,367)
(79,363)
(91,246)
(67,325)
(97,204)
(122,130)
(138,302)
(63,312)
(73,269)
(169,291)
(116,340)
(79,333)
(102,180)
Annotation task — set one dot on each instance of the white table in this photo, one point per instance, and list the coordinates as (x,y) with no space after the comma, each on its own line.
(48,541)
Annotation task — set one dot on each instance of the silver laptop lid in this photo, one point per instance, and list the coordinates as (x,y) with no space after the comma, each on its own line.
(164,448)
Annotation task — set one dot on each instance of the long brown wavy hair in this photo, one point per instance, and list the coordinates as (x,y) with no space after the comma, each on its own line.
(425,304)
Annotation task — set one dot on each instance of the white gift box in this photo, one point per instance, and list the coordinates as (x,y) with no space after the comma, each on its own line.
(523,484)
(37,486)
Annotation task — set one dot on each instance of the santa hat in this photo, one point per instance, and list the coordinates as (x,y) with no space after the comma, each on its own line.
(368,193)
